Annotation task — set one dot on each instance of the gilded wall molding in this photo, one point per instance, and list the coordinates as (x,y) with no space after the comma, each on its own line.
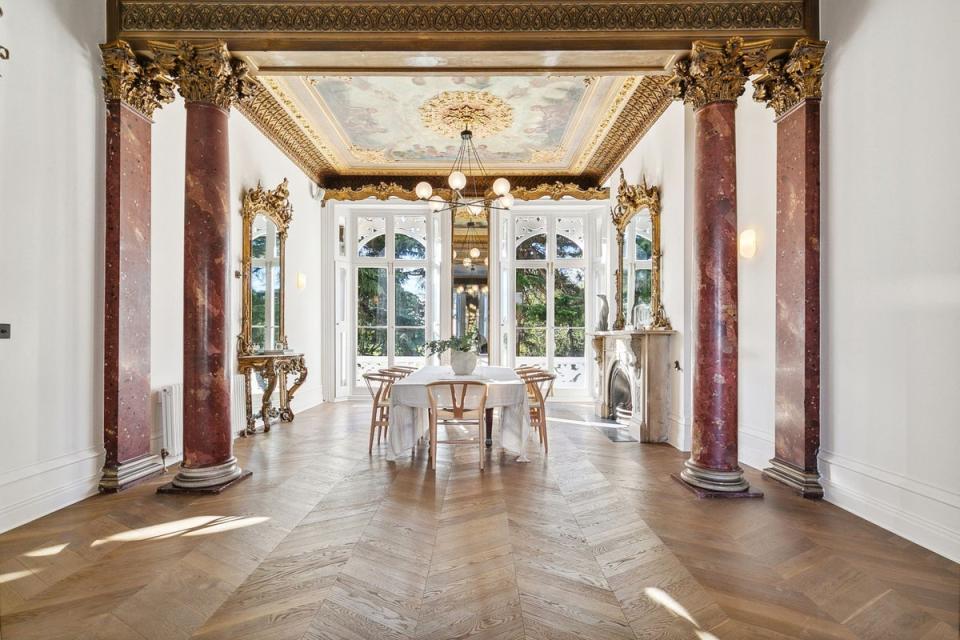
(268,115)
(558,190)
(644,107)
(717,72)
(206,72)
(788,80)
(380,191)
(385,190)
(458,17)
(136,82)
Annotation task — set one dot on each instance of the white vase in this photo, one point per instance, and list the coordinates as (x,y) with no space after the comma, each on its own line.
(463,362)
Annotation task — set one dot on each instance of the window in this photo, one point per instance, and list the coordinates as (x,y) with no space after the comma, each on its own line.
(637,265)
(266,285)
(549,282)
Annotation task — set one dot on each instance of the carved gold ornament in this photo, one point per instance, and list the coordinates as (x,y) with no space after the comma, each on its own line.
(631,199)
(138,83)
(717,72)
(445,17)
(788,80)
(559,190)
(484,113)
(387,190)
(206,72)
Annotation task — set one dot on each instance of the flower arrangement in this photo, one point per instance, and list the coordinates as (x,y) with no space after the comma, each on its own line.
(469,342)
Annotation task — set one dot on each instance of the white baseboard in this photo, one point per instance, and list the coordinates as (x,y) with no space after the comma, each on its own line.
(679,435)
(755,447)
(34,491)
(921,513)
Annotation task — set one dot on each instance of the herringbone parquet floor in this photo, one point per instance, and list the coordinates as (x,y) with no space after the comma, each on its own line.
(593,541)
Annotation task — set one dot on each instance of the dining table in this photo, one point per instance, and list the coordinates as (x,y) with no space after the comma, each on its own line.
(409,406)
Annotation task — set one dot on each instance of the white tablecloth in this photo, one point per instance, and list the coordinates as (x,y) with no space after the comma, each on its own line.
(409,404)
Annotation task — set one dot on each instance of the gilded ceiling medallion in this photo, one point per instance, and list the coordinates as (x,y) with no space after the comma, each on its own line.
(484,113)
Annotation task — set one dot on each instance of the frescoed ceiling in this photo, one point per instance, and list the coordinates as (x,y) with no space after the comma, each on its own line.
(403,125)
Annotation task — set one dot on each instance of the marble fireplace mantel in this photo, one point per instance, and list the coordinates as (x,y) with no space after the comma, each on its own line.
(644,357)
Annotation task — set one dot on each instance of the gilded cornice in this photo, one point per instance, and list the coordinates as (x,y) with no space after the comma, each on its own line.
(386,190)
(136,82)
(206,72)
(788,80)
(268,115)
(645,105)
(717,72)
(457,17)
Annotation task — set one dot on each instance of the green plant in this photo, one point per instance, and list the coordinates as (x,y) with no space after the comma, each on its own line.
(470,341)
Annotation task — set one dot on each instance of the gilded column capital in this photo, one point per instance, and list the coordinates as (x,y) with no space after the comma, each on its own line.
(206,72)
(788,80)
(717,72)
(136,82)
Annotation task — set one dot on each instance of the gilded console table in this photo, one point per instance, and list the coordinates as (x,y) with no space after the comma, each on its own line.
(274,369)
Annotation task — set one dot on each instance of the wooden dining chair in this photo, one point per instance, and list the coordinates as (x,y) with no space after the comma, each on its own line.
(457,404)
(379,385)
(539,386)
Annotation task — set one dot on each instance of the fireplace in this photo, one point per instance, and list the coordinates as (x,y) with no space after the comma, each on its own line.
(621,395)
(634,385)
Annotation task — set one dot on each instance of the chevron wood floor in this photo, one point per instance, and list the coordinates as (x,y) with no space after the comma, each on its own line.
(593,541)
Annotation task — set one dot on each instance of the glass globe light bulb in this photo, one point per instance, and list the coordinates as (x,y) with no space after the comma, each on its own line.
(486,261)
(467,262)
(457,180)
(507,200)
(436,202)
(460,289)
(501,186)
(423,190)
(474,253)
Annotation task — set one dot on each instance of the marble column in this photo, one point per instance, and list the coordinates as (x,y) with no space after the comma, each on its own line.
(131,95)
(710,81)
(791,86)
(210,81)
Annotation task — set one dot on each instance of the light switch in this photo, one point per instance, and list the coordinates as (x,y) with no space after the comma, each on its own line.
(4,331)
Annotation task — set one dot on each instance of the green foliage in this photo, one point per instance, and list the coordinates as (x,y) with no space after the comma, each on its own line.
(468,342)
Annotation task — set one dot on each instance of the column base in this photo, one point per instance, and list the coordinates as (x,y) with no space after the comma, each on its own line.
(709,483)
(212,479)
(805,483)
(126,474)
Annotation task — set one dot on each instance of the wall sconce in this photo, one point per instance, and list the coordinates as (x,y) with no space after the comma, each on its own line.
(301,281)
(748,243)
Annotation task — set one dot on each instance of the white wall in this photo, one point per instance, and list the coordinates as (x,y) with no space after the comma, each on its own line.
(52,125)
(757,210)
(660,156)
(891,268)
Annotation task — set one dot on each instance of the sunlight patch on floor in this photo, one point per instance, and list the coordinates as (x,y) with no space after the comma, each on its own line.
(195,526)
(42,552)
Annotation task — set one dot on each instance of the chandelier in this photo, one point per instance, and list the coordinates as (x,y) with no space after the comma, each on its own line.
(465,189)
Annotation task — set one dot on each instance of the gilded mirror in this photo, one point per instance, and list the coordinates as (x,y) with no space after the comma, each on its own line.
(470,253)
(641,204)
(266,217)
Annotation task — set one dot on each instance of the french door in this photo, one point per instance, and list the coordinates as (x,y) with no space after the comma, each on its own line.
(392,277)
(549,285)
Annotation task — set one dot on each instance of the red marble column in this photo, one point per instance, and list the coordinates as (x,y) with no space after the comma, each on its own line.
(711,80)
(791,85)
(126,362)
(798,300)
(713,463)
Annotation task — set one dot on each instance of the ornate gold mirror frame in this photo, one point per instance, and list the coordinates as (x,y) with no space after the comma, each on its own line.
(273,204)
(631,199)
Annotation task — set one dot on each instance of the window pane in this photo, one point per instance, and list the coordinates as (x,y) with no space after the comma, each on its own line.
(276,295)
(531,303)
(644,232)
(371,238)
(342,237)
(371,342)
(411,297)
(570,237)
(410,237)
(641,289)
(531,343)
(568,298)
(371,296)
(569,342)
(258,285)
(258,237)
(530,239)
(409,342)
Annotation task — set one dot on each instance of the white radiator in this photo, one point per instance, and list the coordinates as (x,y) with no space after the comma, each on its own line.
(171,416)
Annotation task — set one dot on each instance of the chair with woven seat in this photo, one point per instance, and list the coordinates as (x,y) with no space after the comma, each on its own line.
(379,385)
(539,385)
(460,404)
